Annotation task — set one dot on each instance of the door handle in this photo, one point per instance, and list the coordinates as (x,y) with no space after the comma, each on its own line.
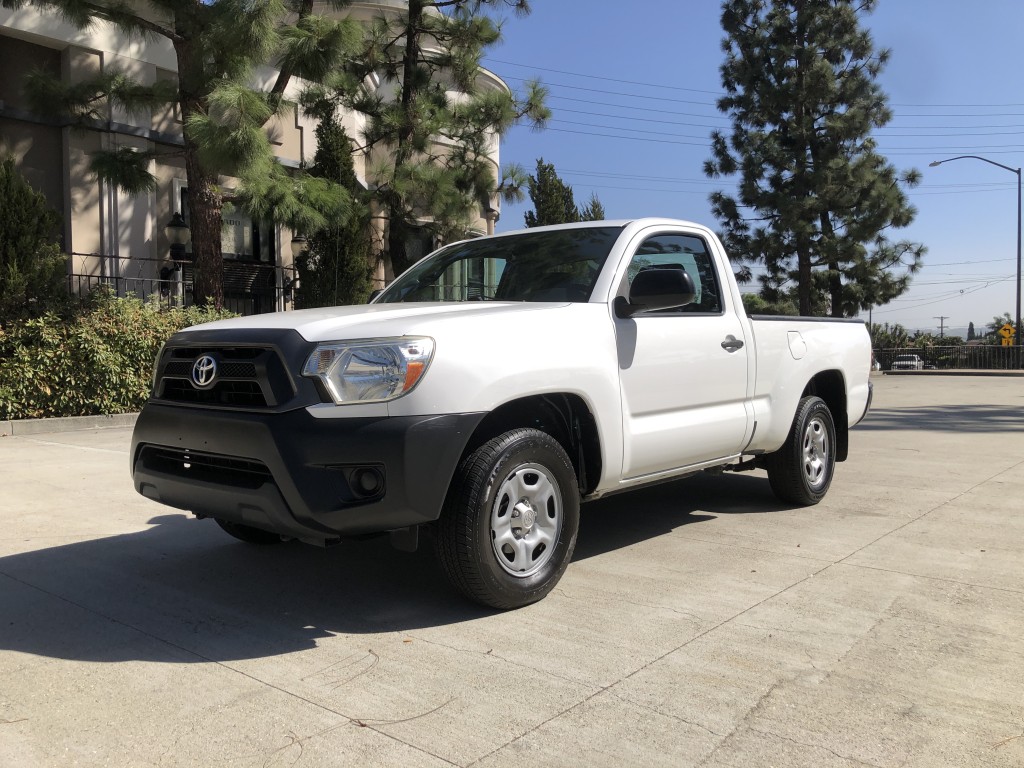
(731,344)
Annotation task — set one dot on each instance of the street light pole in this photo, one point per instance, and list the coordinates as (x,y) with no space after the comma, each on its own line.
(1016,327)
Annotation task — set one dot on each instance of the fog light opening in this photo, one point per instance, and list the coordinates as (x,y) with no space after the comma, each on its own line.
(367,481)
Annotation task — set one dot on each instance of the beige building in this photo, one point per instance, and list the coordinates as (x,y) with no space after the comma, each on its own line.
(122,241)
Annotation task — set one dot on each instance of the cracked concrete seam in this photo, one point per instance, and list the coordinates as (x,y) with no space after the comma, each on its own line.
(490,653)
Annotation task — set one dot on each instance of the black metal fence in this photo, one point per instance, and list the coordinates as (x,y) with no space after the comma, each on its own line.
(984,357)
(250,288)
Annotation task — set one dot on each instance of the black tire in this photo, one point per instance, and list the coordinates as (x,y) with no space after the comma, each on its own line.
(800,472)
(249,534)
(509,523)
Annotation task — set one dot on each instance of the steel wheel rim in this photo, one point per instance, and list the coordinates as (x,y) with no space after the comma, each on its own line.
(816,453)
(526,520)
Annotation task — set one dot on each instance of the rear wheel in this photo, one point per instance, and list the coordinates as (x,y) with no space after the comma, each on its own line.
(800,472)
(249,534)
(508,528)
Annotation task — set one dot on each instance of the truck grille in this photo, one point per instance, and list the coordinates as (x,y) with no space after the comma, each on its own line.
(247,377)
(183,369)
(212,468)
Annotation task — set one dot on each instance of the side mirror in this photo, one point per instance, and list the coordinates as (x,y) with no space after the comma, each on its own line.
(377,292)
(657,288)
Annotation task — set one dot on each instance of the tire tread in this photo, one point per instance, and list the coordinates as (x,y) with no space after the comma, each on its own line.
(785,466)
(458,528)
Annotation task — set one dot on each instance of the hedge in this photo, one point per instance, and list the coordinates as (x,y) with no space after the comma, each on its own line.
(96,360)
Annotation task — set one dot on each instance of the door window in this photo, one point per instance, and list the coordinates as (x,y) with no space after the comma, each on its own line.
(690,253)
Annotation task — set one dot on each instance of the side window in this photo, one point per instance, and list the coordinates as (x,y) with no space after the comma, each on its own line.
(690,253)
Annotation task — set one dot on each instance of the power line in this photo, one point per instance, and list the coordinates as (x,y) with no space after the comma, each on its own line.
(978,261)
(607,79)
(915,193)
(623,128)
(588,185)
(727,119)
(971,186)
(666,86)
(637,119)
(966,292)
(640,109)
(622,93)
(587,175)
(633,138)
(996,149)
(882,132)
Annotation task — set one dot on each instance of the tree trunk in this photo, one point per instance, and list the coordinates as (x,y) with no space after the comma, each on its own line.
(835,278)
(803,245)
(803,260)
(204,208)
(205,201)
(396,223)
(835,289)
(398,233)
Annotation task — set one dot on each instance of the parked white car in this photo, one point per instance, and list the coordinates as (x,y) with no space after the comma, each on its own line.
(489,390)
(907,363)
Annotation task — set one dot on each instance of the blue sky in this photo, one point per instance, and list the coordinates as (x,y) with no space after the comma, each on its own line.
(633,85)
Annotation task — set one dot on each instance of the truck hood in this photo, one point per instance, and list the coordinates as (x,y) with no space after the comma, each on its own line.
(376,320)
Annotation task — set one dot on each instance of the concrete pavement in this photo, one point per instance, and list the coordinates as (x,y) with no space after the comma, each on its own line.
(701,622)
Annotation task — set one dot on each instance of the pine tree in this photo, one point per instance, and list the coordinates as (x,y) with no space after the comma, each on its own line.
(815,200)
(337,269)
(593,210)
(971,333)
(554,202)
(431,152)
(217,44)
(552,198)
(33,269)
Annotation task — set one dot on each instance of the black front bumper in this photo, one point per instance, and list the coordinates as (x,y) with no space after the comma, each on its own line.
(296,475)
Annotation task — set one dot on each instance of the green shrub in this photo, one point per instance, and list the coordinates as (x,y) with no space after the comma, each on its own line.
(97,360)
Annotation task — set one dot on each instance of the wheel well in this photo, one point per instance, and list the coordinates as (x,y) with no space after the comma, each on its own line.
(830,386)
(564,416)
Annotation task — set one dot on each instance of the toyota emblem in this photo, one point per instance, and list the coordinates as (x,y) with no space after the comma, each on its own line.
(204,371)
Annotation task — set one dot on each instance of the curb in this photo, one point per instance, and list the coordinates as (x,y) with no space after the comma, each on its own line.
(65,424)
(956,372)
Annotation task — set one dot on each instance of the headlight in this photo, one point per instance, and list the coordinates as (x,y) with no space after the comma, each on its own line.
(370,371)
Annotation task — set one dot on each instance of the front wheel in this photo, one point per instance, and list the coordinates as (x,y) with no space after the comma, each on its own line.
(800,472)
(509,524)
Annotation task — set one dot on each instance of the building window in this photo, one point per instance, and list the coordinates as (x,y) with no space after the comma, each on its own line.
(241,238)
(250,262)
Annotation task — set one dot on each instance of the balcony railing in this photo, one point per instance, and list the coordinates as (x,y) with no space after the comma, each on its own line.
(250,288)
(984,357)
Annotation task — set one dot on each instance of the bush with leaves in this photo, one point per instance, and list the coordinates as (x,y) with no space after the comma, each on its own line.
(756,304)
(98,360)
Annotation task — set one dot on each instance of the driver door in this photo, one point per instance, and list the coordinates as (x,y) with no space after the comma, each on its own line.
(683,371)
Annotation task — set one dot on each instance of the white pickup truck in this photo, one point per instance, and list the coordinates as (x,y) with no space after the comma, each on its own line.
(489,390)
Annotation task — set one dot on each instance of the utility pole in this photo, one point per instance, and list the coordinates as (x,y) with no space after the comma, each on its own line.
(942,328)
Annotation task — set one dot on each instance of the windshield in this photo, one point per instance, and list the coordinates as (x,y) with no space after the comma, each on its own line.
(560,265)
